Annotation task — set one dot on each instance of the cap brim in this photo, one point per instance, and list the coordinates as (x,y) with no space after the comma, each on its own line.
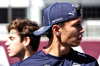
(41,31)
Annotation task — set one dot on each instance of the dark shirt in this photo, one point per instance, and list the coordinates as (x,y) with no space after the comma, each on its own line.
(73,58)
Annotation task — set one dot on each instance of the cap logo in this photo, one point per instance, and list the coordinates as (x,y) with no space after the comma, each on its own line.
(76,64)
(71,14)
(57,19)
(56,13)
(46,65)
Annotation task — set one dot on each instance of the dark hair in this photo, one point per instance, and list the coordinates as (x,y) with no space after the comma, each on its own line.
(25,28)
(61,24)
(49,32)
(78,9)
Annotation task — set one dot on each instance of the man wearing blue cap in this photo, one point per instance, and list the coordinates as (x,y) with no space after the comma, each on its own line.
(62,24)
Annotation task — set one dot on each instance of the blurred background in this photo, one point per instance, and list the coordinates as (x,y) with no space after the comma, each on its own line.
(33,10)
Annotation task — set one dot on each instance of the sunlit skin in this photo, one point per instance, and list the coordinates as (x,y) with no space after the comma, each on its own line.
(14,45)
(18,48)
(65,37)
(71,33)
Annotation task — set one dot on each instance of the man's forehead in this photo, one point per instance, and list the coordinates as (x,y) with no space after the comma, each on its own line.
(13,32)
(74,21)
(77,18)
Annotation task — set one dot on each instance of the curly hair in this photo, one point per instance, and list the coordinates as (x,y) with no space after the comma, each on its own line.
(25,28)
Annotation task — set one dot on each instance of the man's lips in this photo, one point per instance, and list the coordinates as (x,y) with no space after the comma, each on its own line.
(8,50)
(80,37)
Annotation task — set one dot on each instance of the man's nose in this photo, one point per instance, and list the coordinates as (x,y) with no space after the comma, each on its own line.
(82,30)
(7,43)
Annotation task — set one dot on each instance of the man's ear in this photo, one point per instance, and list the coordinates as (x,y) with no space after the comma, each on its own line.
(26,41)
(56,29)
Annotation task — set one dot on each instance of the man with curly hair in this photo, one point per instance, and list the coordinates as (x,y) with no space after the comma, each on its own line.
(22,43)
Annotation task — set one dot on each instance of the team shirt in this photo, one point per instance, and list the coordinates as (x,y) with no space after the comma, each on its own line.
(73,58)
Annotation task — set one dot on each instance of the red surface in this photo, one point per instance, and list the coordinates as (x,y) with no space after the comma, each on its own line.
(89,47)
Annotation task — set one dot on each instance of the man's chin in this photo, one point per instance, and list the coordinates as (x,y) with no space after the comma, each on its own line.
(11,55)
(76,44)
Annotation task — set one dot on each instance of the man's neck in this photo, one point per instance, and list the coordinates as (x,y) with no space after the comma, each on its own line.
(29,52)
(55,48)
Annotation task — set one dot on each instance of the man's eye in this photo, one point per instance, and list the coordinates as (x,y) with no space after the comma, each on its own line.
(76,25)
(11,38)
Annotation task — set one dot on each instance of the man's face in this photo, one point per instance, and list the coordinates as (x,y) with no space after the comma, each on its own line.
(14,46)
(71,33)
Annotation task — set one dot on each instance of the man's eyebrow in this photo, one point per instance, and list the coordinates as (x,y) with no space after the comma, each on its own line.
(9,36)
(79,21)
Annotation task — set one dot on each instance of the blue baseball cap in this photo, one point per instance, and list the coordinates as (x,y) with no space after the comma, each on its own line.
(56,13)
